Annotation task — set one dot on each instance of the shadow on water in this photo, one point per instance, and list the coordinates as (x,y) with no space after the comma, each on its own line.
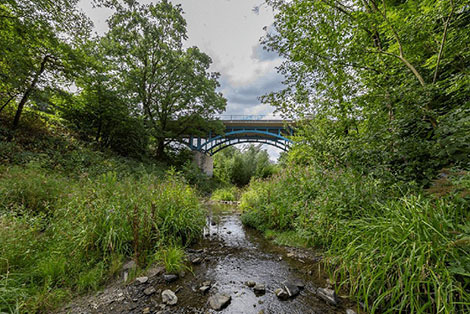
(234,254)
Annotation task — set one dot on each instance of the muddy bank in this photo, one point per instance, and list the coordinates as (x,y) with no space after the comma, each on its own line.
(231,264)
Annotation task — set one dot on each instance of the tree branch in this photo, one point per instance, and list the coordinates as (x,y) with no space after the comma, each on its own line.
(7,102)
(444,37)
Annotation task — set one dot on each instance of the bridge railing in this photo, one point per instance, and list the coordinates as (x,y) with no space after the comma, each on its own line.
(249,117)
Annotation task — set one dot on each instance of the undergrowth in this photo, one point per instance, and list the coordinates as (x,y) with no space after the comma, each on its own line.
(71,215)
(225,194)
(394,247)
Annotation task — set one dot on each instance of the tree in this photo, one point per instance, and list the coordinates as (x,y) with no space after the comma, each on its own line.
(381,75)
(39,38)
(169,85)
(235,166)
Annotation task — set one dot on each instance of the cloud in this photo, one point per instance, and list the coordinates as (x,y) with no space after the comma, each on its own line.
(244,98)
(261,54)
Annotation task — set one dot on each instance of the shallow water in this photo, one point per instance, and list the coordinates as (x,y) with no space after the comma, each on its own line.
(235,254)
(230,255)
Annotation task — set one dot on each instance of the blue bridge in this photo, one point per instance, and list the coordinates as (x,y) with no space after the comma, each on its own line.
(267,130)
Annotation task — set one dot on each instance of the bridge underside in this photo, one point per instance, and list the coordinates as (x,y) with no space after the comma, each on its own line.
(267,132)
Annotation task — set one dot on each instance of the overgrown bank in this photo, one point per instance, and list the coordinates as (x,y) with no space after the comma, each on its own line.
(394,247)
(70,216)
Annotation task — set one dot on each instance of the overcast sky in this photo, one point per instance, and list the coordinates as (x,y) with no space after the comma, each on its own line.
(229,32)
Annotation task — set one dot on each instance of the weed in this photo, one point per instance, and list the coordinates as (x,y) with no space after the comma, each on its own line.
(173,258)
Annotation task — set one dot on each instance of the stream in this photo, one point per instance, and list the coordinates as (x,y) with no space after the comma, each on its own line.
(228,257)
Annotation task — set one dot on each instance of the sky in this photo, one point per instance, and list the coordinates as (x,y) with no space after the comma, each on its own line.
(229,32)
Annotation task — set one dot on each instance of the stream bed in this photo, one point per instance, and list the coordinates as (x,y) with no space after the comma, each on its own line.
(229,257)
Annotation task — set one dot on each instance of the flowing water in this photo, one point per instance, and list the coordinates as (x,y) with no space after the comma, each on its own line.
(235,254)
(229,256)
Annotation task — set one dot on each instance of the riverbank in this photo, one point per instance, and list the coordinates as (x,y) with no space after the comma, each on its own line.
(390,245)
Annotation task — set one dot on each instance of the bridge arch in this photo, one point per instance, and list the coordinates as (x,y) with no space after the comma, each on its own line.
(230,142)
(233,137)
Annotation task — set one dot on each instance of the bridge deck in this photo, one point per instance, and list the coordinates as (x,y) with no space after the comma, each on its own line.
(256,123)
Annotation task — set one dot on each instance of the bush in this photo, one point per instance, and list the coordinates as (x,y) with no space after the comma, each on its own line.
(172,258)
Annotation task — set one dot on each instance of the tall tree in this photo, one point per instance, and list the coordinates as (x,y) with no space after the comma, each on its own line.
(385,72)
(39,38)
(171,86)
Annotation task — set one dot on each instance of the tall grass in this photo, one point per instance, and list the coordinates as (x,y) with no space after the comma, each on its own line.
(62,235)
(393,248)
(225,194)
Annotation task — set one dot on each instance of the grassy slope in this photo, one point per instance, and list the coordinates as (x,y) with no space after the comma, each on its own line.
(393,246)
(71,215)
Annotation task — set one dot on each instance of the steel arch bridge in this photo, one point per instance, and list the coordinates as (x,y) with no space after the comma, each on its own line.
(245,129)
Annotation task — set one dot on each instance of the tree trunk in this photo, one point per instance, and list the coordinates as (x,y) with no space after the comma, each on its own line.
(28,92)
(160,149)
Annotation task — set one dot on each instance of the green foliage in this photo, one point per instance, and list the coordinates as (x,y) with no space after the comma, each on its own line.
(29,190)
(92,224)
(414,257)
(225,194)
(173,258)
(235,166)
(170,87)
(389,246)
(380,84)
(38,50)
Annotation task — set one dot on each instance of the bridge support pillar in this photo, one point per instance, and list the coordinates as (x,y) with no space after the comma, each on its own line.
(204,162)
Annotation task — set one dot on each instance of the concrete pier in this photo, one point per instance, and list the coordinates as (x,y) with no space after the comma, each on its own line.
(204,162)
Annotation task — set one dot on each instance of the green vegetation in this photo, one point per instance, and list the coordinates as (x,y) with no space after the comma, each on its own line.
(139,92)
(225,194)
(235,166)
(394,248)
(55,242)
(173,258)
(381,89)
(70,216)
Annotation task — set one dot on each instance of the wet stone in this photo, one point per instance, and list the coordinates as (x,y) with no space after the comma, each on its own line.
(149,291)
(146,310)
(250,284)
(170,277)
(219,301)
(142,280)
(204,289)
(291,289)
(169,297)
(349,311)
(327,295)
(260,288)
(299,284)
(281,294)
(196,261)
(155,271)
